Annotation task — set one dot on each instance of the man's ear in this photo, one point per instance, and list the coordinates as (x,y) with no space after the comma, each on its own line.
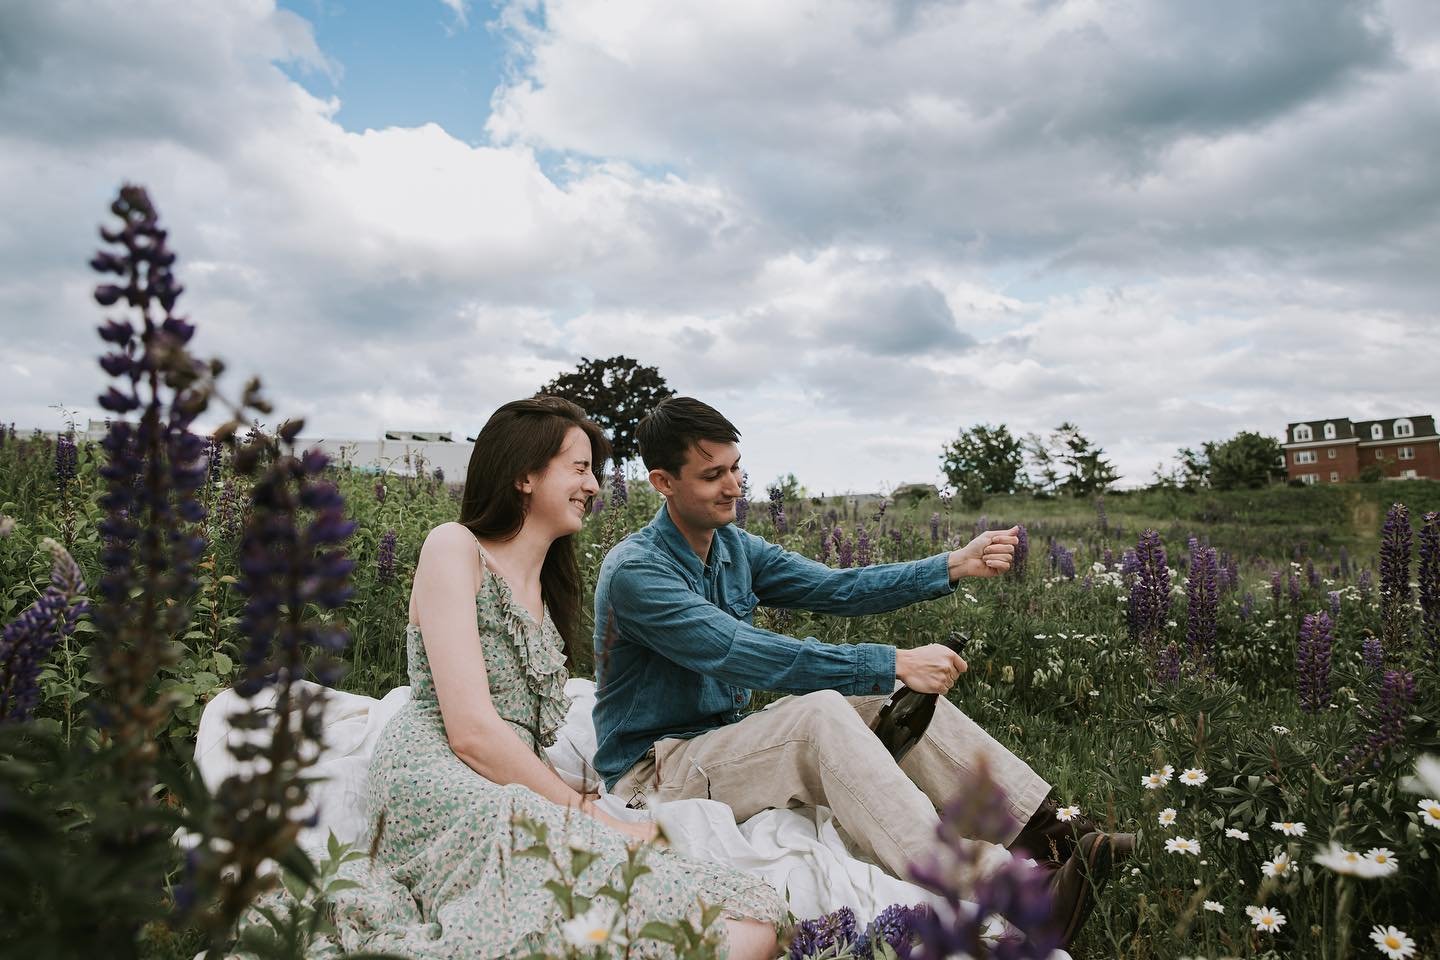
(663,483)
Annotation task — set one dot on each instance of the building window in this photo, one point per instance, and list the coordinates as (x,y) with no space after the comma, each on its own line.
(1404,428)
(1407,453)
(1377,432)
(1330,453)
(1379,455)
(1329,431)
(1334,477)
(1409,475)
(1303,433)
(1310,478)
(1305,456)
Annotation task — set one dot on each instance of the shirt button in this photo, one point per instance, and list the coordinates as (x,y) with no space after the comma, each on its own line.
(875,689)
(739,698)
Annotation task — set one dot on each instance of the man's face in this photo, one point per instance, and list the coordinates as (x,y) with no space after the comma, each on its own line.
(703,495)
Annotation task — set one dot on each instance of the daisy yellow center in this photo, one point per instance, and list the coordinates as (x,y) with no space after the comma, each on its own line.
(596,935)
(1268,921)
(1352,858)
(1381,858)
(1392,941)
(1434,811)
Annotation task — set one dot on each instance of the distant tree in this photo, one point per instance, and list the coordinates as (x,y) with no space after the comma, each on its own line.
(790,488)
(984,456)
(617,393)
(1086,471)
(1246,460)
(1190,471)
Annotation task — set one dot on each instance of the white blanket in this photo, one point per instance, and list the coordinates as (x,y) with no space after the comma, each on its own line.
(799,852)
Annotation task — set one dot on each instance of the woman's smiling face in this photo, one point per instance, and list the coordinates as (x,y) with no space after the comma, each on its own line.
(560,496)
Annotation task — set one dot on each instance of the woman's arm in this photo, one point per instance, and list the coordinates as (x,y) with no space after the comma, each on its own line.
(447,579)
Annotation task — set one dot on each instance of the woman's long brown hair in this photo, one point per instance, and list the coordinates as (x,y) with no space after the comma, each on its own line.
(523,437)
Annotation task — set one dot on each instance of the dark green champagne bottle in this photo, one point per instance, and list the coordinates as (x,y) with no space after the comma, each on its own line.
(905,716)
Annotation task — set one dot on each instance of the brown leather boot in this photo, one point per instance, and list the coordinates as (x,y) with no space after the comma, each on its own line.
(1076,884)
(1047,838)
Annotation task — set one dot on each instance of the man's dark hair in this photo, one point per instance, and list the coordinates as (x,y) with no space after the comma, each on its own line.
(674,426)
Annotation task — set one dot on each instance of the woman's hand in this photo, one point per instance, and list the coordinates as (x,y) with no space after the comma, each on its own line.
(644,831)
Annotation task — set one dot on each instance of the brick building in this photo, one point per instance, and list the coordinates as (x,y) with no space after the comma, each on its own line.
(1334,451)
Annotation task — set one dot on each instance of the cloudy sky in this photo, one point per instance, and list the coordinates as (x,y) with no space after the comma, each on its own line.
(854,226)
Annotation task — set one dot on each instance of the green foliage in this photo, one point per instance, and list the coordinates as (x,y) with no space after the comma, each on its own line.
(617,393)
(984,456)
(1066,461)
(1245,461)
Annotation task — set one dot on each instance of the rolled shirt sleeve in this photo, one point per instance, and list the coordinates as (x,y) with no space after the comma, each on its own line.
(655,608)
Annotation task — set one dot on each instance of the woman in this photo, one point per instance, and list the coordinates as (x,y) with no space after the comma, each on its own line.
(494,622)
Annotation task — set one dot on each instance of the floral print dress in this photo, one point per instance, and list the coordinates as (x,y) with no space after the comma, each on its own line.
(445,880)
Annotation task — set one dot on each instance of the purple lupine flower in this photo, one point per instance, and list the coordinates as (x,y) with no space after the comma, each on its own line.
(1247,607)
(619,489)
(1129,564)
(1334,597)
(1364,584)
(1345,563)
(286,567)
(1022,552)
(1293,582)
(1108,559)
(1395,596)
(824,555)
(1017,891)
(1102,519)
(1430,583)
(845,553)
(935,527)
(863,556)
(895,925)
(154,469)
(597,505)
(67,462)
(896,537)
(1202,606)
(229,511)
(1065,562)
(777,510)
(29,638)
(742,512)
(380,490)
(1167,665)
(834,932)
(1088,583)
(1149,602)
(1276,586)
(214,458)
(385,558)
(1312,576)
(1372,654)
(1386,722)
(1312,662)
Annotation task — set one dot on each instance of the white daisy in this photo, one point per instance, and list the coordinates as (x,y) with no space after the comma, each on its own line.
(1182,845)
(591,928)
(1167,817)
(1394,943)
(1427,776)
(1279,867)
(1251,910)
(1067,814)
(1156,779)
(1193,777)
(1214,906)
(1236,834)
(1268,919)
(1291,828)
(1279,729)
(1348,862)
(1430,813)
(1384,860)
(1168,771)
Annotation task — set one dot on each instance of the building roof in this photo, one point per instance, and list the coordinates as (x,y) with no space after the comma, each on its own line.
(1347,429)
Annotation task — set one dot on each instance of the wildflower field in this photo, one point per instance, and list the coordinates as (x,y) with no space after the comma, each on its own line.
(1246,680)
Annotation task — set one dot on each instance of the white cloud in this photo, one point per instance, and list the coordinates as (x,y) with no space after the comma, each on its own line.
(855,227)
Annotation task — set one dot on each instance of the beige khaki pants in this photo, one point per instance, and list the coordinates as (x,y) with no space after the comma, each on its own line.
(817,749)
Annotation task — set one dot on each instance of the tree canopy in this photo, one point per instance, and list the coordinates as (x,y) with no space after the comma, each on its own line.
(616,393)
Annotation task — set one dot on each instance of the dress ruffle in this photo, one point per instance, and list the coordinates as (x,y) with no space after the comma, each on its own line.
(541,652)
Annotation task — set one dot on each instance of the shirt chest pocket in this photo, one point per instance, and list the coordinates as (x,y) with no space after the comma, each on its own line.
(741,605)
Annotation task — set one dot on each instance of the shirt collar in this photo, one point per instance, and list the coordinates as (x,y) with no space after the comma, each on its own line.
(679,547)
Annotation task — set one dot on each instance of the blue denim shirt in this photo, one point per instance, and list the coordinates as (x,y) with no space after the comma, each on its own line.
(676,651)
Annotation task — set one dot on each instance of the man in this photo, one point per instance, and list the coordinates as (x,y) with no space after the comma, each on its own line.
(677,654)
